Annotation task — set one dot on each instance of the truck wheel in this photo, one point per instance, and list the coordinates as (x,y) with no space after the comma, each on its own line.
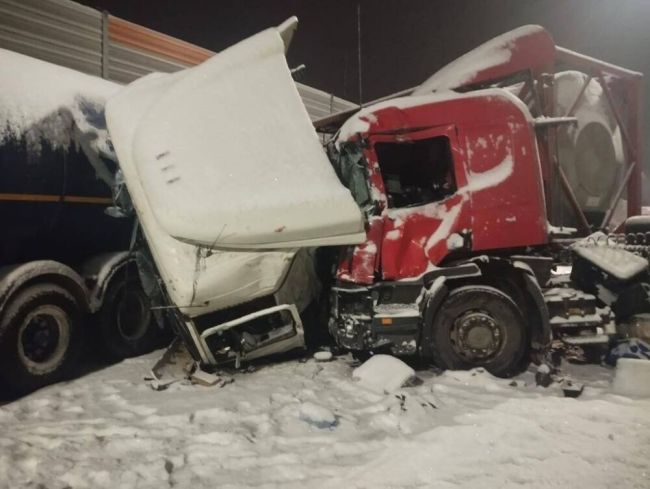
(42,338)
(479,326)
(126,324)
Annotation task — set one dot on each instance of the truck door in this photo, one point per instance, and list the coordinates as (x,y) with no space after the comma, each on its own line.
(505,189)
(421,172)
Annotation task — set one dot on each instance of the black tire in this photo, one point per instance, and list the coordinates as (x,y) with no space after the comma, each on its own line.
(479,326)
(126,325)
(42,338)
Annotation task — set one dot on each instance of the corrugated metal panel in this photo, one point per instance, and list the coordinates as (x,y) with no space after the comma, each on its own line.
(135,51)
(127,64)
(146,40)
(69,34)
(320,103)
(58,31)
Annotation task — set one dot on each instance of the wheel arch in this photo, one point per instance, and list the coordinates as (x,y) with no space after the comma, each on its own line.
(515,278)
(100,271)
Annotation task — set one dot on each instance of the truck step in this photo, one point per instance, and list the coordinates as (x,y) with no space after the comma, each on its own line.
(577,321)
(593,339)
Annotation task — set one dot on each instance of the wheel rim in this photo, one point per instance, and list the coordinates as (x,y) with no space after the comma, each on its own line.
(132,314)
(476,336)
(43,338)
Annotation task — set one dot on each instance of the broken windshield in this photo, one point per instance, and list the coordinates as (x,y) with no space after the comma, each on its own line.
(349,165)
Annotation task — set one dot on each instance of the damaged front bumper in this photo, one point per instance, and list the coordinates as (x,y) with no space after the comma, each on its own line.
(217,339)
(365,319)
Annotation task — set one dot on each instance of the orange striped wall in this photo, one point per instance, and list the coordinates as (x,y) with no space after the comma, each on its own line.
(139,37)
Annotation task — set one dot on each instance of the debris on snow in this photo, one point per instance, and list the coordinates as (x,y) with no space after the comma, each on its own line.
(543,375)
(383,374)
(323,356)
(458,429)
(175,364)
(207,379)
(318,416)
(571,388)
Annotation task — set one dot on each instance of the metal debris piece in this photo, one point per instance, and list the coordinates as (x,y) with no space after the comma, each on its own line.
(572,389)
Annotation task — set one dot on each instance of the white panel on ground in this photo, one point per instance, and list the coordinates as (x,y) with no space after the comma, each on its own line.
(383,373)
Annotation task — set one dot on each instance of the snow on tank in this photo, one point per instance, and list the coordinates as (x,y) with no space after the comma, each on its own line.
(42,101)
(508,49)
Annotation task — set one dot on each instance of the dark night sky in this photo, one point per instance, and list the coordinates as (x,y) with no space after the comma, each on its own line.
(403,41)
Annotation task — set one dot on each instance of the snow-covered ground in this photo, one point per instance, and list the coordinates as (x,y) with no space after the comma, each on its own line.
(304,425)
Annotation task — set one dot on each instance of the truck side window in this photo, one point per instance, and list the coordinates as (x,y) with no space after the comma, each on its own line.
(416,172)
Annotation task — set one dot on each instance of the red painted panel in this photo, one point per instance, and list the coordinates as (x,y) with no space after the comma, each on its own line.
(509,211)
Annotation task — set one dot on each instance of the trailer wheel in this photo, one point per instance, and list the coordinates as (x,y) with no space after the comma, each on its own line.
(479,326)
(42,337)
(127,327)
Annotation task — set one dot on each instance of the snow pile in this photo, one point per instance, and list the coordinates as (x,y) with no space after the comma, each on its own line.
(227,155)
(316,415)
(456,430)
(462,70)
(383,373)
(632,377)
(323,356)
(40,100)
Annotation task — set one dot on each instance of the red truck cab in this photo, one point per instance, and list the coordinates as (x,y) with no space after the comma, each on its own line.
(463,181)
(451,174)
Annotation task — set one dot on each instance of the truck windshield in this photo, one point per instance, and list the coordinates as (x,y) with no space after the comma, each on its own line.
(349,165)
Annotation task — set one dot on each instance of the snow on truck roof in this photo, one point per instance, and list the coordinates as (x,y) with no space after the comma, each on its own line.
(494,52)
(360,122)
(39,100)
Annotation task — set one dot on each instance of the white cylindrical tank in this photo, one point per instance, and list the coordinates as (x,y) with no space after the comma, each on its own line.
(591,152)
